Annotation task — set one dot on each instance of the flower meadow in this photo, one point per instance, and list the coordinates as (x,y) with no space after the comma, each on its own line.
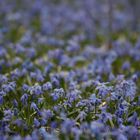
(59,81)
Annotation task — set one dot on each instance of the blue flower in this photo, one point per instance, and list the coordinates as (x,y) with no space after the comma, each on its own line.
(43,122)
(126,65)
(15,103)
(93,98)
(36,122)
(19,122)
(46,114)
(129,89)
(67,125)
(3,79)
(24,99)
(47,86)
(57,94)
(34,106)
(8,114)
(11,86)
(36,89)
(48,68)
(55,82)
(25,87)
(46,135)
(121,137)
(39,78)
(1,100)
(133,119)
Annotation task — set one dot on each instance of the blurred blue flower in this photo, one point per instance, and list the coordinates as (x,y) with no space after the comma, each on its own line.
(47,86)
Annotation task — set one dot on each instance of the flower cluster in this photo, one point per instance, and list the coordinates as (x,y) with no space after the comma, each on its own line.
(56,82)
